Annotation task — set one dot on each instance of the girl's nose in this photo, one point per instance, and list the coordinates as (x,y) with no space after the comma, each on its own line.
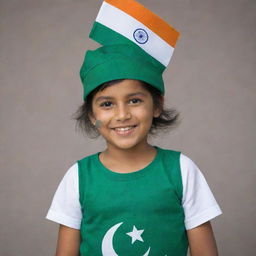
(123,113)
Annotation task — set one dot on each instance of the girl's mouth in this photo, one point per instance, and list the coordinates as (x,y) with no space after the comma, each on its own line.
(127,130)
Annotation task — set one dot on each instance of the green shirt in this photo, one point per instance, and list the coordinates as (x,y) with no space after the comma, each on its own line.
(132,214)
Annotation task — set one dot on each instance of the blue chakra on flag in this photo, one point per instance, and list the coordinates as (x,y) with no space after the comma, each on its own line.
(140,35)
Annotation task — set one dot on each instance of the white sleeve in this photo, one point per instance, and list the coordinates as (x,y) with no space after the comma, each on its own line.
(198,201)
(65,208)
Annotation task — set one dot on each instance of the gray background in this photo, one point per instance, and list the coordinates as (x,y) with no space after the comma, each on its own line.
(210,80)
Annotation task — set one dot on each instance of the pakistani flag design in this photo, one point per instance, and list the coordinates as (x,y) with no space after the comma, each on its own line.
(132,214)
(122,21)
(107,243)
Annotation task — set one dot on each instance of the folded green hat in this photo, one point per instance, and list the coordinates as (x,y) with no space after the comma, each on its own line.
(119,62)
(137,44)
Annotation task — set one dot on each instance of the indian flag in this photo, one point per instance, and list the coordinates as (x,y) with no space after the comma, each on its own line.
(127,21)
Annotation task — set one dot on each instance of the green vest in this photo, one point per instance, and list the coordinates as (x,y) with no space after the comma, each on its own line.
(132,214)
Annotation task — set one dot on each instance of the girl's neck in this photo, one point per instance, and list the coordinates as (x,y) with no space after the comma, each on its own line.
(128,160)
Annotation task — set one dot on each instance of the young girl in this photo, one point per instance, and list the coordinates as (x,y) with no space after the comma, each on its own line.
(133,198)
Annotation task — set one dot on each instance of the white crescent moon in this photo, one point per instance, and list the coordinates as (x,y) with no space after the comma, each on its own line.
(107,242)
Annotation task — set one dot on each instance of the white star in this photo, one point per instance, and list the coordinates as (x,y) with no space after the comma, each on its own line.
(136,234)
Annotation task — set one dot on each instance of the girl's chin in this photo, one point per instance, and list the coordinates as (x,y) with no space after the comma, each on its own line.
(126,144)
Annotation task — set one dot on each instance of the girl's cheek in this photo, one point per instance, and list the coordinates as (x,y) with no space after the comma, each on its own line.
(104,117)
(143,112)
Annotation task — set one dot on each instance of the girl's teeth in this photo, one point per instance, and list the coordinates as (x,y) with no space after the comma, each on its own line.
(124,129)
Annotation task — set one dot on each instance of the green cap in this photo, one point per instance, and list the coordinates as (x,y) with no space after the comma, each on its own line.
(123,61)
(136,44)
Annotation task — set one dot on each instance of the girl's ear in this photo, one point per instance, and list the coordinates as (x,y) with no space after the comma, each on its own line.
(159,108)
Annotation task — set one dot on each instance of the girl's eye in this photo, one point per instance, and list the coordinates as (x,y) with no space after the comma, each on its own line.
(106,104)
(134,101)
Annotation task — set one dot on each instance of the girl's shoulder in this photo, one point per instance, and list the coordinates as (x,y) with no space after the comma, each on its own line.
(185,160)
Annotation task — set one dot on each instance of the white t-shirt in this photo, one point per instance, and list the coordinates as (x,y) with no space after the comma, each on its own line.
(198,201)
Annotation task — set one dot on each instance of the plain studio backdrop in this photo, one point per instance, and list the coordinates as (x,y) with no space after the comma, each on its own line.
(210,80)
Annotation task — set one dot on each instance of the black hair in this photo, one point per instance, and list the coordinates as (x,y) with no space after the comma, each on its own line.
(168,118)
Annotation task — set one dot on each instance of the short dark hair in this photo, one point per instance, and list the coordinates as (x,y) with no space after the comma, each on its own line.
(169,118)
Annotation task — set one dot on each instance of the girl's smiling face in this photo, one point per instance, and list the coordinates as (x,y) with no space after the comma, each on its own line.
(126,111)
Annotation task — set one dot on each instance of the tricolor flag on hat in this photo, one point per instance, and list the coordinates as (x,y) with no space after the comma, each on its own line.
(119,20)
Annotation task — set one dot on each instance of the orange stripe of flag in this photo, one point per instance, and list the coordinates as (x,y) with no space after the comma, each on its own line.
(148,18)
